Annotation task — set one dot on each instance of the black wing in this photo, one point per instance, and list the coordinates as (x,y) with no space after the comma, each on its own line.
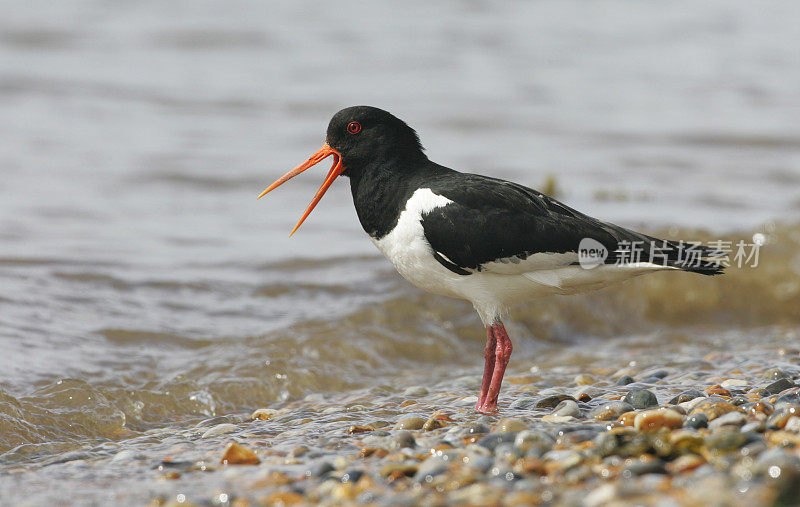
(492,220)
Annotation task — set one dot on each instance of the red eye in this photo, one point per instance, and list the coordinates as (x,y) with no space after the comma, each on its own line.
(354,127)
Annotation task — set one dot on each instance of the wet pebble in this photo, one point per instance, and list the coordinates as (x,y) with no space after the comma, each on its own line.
(729,419)
(492,440)
(410,423)
(237,454)
(777,387)
(429,469)
(125,455)
(653,466)
(656,419)
(793,424)
(686,396)
(522,404)
(641,398)
(402,439)
(416,391)
(264,414)
(319,468)
(696,421)
(433,423)
(713,409)
(733,383)
(477,429)
(553,400)
(610,411)
(567,408)
(524,440)
(584,380)
(220,429)
(480,463)
(739,400)
(776,374)
(510,425)
(754,426)
(625,380)
(726,441)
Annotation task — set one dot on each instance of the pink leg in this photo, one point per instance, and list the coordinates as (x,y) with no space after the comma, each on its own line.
(488,366)
(503,351)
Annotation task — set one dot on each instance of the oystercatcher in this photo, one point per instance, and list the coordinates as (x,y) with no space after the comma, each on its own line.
(492,242)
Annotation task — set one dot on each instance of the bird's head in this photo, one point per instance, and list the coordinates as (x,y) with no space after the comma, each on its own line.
(358,137)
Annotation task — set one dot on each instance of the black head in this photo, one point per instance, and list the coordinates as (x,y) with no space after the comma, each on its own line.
(364,135)
(359,138)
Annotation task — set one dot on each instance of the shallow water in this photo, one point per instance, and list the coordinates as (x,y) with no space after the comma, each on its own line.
(144,289)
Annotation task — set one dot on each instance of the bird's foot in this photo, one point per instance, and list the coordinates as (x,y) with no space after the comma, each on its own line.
(486,408)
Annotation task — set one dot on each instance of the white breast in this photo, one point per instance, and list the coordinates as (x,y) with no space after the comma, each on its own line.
(406,247)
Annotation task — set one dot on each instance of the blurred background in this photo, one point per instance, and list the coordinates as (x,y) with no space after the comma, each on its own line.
(143,286)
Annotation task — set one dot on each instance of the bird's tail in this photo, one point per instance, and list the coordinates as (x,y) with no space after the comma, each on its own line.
(695,258)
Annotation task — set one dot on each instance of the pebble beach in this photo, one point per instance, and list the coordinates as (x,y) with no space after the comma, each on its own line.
(723,429)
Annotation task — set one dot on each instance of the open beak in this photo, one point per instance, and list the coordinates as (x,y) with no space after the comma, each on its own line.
(316,158)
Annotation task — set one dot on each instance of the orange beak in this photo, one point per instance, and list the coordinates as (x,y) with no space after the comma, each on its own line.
(316,158)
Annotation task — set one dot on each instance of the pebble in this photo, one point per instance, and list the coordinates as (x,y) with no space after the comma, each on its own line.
(433,424)
(402,439)
(492,440)
(557,418)
(739,400)
(481,463)
(656,419)
(729,419)
(220,429)
(685,396)
(429,469)
(237,454)
(510,425)
(728,441)
(553,401)
(755,426)
(733,383)
(263,414)
(793,424)
(416,391)
(777,387)
(567,408)
(525,439)
(776,374)
(125,455)
(410,423)
(685,463)
(696,421)
(610,411)
(523,404)
(654,466)
(778,420)
(624,380)
(641,398)
(713,409)
(477,429)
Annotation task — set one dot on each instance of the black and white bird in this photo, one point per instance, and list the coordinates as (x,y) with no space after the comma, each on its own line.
(491,242)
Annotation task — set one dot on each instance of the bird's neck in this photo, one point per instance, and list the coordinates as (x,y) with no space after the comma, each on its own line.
(381,189)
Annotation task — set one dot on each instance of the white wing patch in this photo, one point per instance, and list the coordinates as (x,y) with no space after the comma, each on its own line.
(534,262)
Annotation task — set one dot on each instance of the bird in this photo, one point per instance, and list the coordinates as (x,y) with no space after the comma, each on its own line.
(491,242)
